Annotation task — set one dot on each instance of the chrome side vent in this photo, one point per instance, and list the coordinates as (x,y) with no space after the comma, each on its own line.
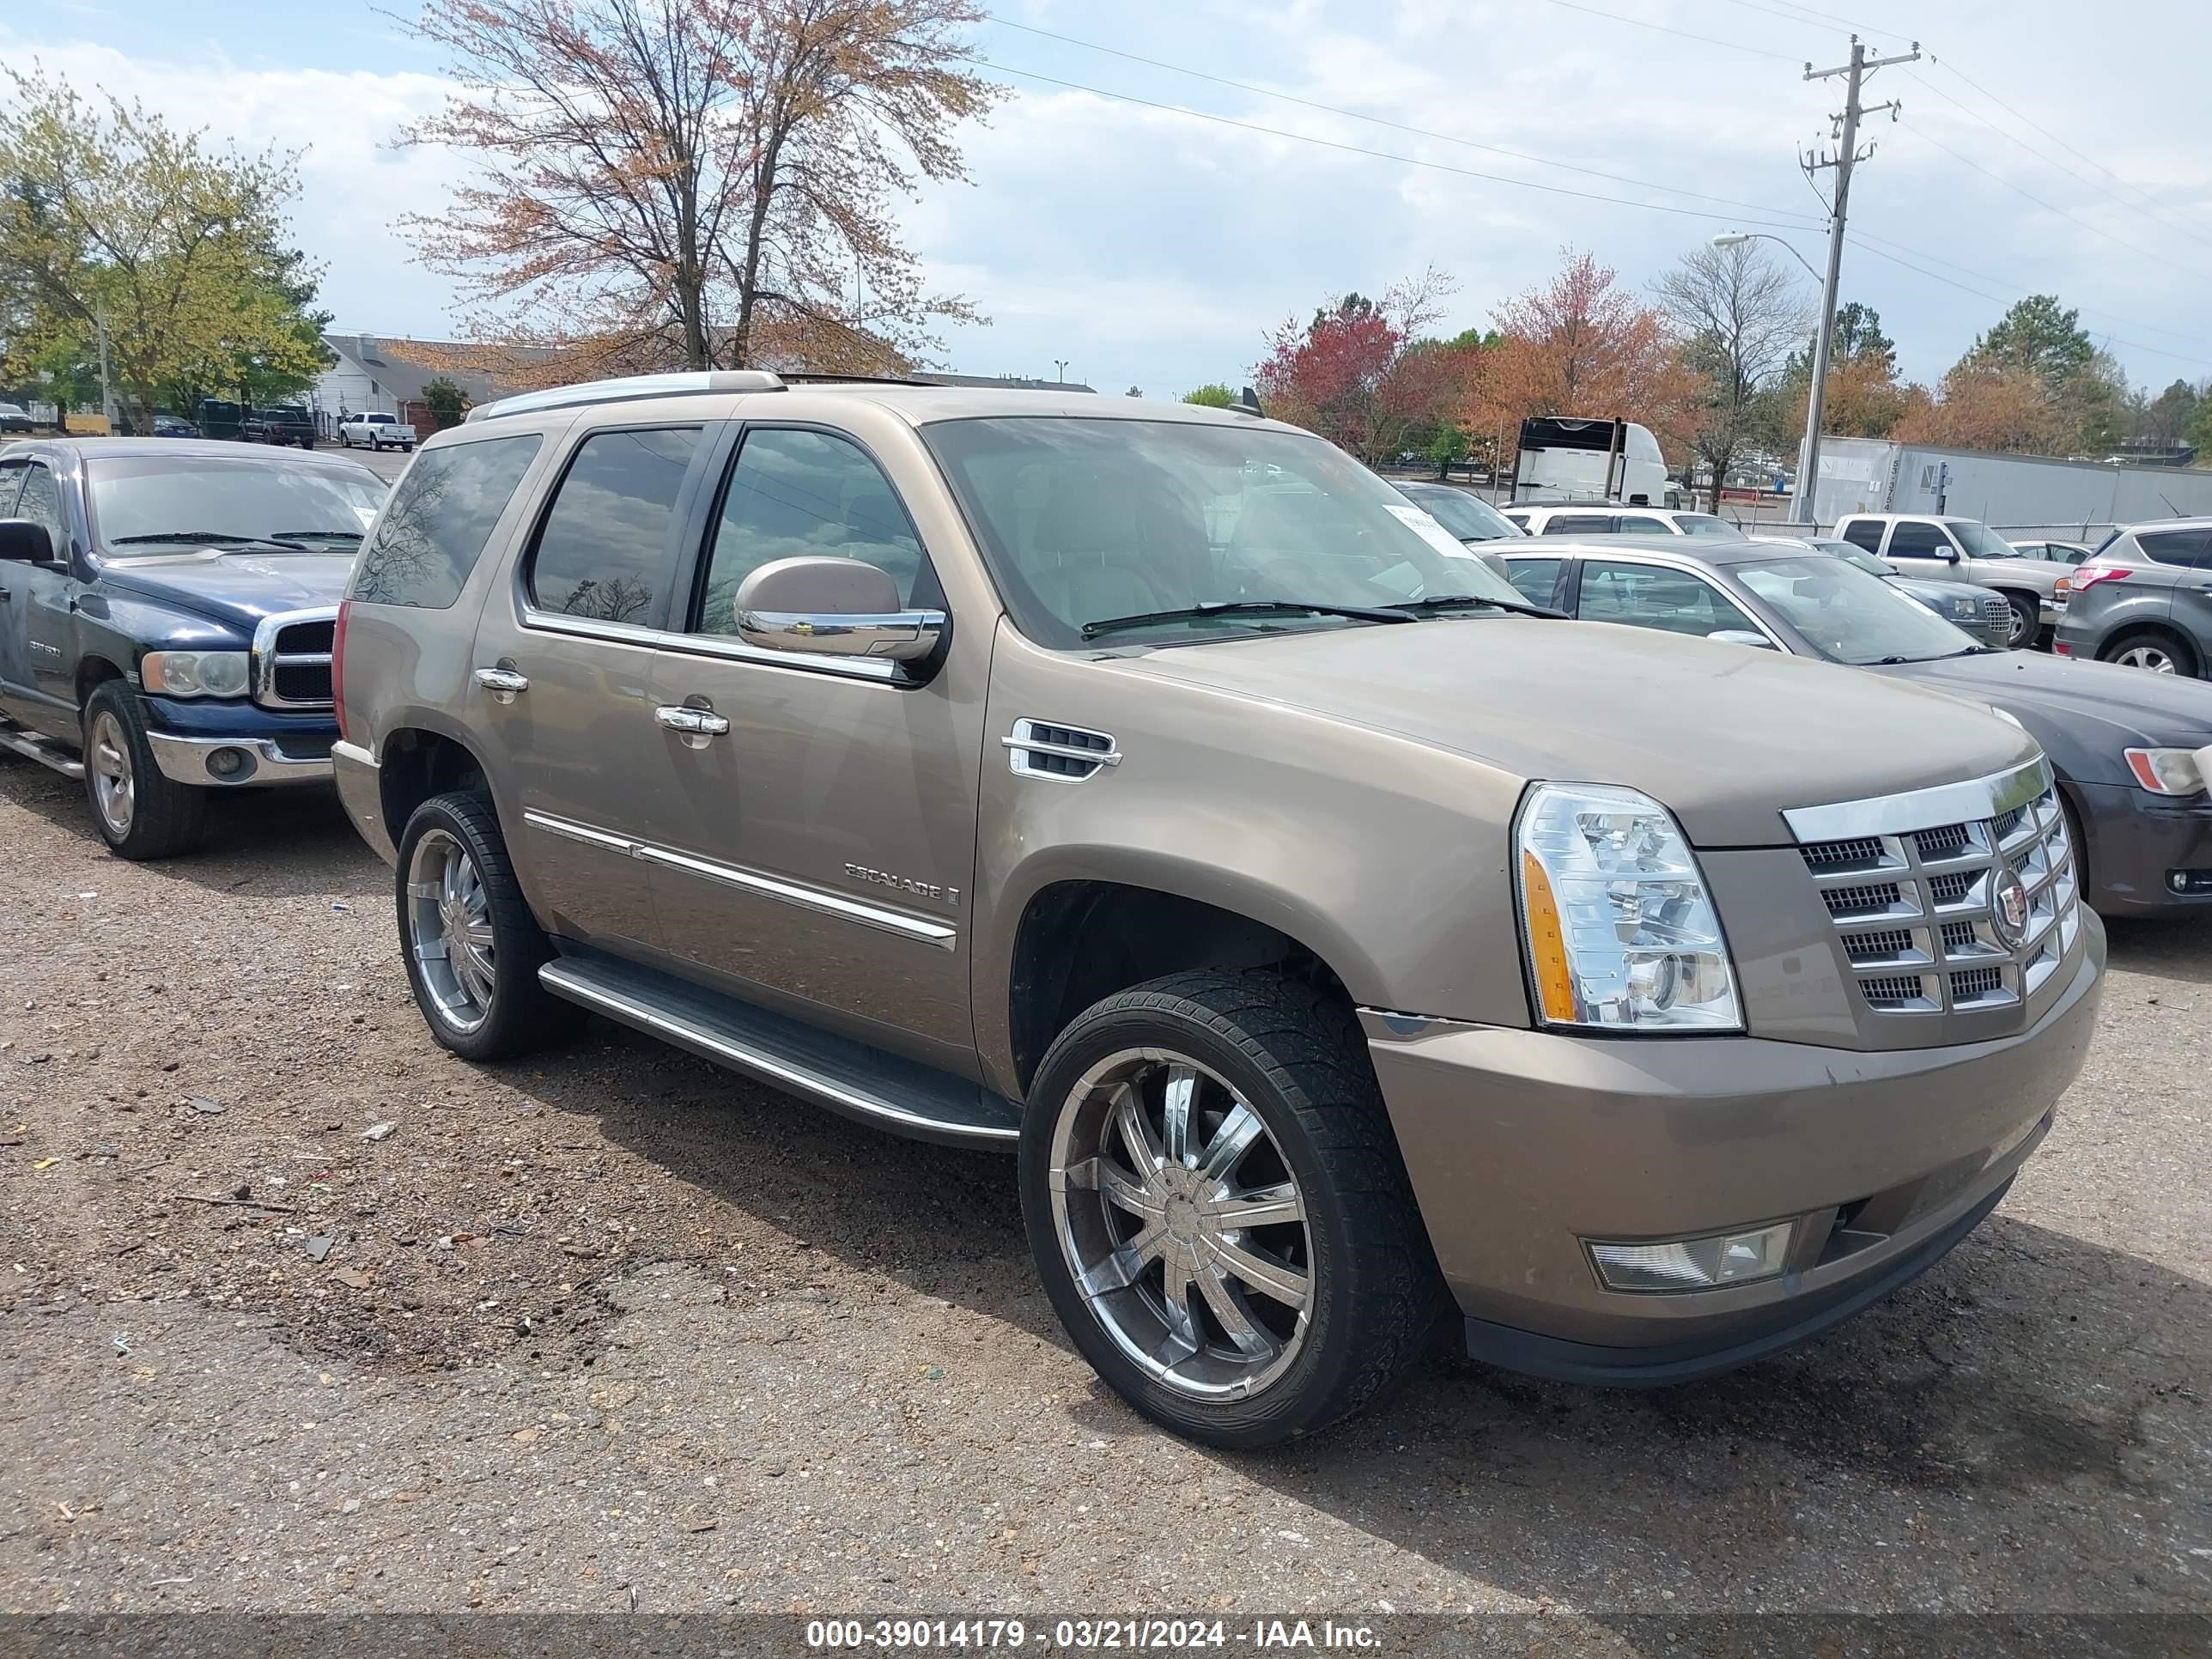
(1062,754)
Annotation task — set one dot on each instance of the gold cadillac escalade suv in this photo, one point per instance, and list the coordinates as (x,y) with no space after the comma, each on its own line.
(1341,941)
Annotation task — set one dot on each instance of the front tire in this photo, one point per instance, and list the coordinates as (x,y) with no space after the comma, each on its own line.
(1216,1206)
(471,947)
(2027,621)
(140,812)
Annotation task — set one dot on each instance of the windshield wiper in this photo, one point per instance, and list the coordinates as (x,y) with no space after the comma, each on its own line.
(1092,630)
(321,535)
(209,536)
(1457,599)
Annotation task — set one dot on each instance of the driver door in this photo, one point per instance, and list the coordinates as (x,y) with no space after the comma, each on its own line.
(1917,548)
(15,602)
(41,597)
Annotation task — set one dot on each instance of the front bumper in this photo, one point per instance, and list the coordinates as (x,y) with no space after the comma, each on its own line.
(2136,840)
(244,760)
(1523,1145)
(361,787)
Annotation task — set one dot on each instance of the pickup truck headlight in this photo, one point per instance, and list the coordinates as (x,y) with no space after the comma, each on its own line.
(1620,932)
(2172,771)
(196,673)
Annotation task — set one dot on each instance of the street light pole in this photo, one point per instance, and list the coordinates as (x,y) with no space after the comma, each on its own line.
(1060,370)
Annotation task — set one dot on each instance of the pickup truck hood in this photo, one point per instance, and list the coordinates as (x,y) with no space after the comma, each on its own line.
(238,588)
(1727,736)
(2083,713)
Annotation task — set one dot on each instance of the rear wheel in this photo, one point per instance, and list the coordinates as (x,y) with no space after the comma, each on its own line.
(2154,649)
(471,947)
(1216,1206)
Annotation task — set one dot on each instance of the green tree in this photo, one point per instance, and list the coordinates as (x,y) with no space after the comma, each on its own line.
(2199,429)
(1447,446)
(2038,335)
(105,212)
(1213,395)
(443,399)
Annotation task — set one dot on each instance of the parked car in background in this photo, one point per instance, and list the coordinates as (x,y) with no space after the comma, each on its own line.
(2133,756)
(1962,550)
(281,423)
(2144,599)
(14,418)
(376,430)
(170,426)
(1466,515)
(1571,519)
(166,617)
(1142,787)
(1986,615)
(2055,552)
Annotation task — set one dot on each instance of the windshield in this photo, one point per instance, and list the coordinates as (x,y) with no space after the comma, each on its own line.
(1086,520)
(1848,616)
(1703,524)
(143,505)
(1981,541)
(1466,515)
(1857,558)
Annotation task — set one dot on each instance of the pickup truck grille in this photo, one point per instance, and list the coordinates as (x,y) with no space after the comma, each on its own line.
(292,660)
(1957,916)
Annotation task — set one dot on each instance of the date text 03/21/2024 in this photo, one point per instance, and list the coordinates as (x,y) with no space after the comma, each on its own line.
(1087,1635)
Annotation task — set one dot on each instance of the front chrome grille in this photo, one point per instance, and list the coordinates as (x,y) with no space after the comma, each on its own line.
(1943,927)
(292,660)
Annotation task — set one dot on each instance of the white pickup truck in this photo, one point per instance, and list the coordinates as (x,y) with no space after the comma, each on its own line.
(377,431)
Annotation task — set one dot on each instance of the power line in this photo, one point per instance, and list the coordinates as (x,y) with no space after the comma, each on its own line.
(1383,155)
(2148,198)
(1684,35)
(1974,115)
(1398,126)
(2048,207)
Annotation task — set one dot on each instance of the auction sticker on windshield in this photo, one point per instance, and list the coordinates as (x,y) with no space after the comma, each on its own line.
(1428,530)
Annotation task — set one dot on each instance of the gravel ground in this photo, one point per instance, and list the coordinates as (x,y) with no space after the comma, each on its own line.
(614,1330)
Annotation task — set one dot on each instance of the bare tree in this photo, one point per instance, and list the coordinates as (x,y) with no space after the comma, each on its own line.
(698,183)
(1739,314)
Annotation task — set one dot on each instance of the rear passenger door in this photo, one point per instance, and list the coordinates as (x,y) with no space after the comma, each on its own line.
(561,693)
(2182,559)
(819,852)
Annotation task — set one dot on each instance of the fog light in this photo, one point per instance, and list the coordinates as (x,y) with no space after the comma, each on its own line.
(2189,881)
(1694,1264)
(230,763)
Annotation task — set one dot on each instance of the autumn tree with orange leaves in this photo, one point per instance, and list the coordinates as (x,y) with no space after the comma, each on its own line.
(1580,346)
(672,183)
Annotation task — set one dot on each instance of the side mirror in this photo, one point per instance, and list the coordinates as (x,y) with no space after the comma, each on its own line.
(26,541)
(1741,636)
(832,608)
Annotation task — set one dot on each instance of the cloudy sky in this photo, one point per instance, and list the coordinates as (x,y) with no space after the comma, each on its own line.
(1108,225)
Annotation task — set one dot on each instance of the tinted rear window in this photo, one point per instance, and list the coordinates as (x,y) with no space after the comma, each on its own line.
(1578,523)
(2189,548)
(1864,532)
(437,523)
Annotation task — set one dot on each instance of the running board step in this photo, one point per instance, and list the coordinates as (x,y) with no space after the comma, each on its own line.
(31,746)
(899,1095)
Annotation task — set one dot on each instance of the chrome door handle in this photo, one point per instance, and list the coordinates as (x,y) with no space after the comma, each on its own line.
(699,723)
(504,683)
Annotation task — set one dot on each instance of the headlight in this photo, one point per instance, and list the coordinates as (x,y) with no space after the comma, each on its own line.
(2171,771)
(1620,932)
(1967,608)
(195,673)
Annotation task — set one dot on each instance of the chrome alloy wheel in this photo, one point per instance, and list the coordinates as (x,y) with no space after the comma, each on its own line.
(1182,1223)
(2155,658)
(114,792)
(449,930)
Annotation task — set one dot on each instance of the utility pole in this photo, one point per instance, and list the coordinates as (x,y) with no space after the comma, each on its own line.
(106,396)
(1846,157)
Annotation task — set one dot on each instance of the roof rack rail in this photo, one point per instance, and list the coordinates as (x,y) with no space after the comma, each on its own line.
(629,388)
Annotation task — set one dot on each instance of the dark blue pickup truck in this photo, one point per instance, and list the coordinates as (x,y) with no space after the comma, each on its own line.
(166,614)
